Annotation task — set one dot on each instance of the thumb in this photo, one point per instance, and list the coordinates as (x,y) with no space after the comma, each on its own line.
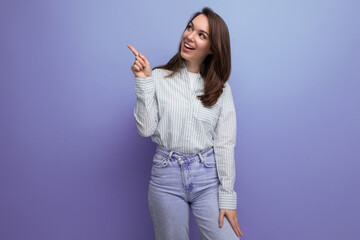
(221,218)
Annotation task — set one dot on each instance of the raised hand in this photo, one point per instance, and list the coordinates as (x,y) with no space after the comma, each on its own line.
(141,66)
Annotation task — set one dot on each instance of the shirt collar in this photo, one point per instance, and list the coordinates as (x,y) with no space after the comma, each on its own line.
(199,85)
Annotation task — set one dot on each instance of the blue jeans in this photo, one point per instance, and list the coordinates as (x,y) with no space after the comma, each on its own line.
(179,182)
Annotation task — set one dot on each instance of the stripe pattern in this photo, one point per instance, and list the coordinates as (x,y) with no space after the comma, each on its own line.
(168,110)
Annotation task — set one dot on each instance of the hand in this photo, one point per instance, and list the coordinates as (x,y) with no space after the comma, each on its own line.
(141,66)
(232,217)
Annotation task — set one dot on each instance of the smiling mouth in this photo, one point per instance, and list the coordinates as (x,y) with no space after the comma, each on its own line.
(188,46)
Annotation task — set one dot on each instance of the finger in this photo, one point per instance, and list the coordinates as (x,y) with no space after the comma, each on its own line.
(232,223)
(141,61)
(137,63)
(137,69)
(136,53)
(143,58)
(234,226)
(238,228)
(238,231)
(221,218)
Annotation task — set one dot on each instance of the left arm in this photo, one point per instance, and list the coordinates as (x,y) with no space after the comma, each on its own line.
(224,144)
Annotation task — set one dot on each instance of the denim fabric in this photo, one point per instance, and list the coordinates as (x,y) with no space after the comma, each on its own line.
(182,182)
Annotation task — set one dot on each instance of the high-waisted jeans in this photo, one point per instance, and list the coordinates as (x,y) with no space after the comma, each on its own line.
(179,182)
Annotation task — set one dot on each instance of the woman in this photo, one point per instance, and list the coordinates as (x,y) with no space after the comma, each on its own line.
(186,106)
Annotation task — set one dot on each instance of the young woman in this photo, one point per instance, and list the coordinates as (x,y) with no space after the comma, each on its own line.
(186,106)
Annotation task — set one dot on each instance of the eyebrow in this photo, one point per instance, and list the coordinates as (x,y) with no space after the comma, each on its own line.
(200,29)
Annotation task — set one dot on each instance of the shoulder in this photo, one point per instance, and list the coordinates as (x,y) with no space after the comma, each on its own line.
(226,89)
(227,93)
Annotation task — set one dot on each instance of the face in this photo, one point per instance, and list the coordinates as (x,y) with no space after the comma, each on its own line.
(195,43)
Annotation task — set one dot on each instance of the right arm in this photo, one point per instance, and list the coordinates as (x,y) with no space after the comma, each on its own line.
(146,108)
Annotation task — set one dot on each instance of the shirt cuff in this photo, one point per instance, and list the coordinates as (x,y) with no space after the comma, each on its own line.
(227,200)
(144,86)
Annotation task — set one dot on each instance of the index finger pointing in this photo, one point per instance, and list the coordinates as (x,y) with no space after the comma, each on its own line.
(133,50)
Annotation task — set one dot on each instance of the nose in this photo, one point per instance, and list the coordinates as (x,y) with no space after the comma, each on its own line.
(190,37)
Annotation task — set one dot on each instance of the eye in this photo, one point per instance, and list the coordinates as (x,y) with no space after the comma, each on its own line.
(202,35)
(188,27)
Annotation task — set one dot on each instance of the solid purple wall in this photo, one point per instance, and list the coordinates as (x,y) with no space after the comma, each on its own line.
(72,165)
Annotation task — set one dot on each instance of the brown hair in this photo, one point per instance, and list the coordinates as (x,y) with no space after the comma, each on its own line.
(216,67)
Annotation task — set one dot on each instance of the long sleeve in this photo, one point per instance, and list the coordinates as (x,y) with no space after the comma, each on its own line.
(224,144)
(146,107)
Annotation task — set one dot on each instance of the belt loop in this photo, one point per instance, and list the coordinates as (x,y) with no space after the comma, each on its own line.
(169,157)
(201,157)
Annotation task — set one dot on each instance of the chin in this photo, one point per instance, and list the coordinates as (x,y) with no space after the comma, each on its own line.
(183,55)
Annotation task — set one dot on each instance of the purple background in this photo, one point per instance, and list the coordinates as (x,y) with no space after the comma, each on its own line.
(73,165)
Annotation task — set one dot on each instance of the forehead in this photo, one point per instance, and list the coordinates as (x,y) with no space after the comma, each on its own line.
(201,22)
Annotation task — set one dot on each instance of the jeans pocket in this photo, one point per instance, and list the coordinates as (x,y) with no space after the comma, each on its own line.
(209,161)
(159,161)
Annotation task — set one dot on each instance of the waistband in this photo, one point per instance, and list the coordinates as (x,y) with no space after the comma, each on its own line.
(170,153)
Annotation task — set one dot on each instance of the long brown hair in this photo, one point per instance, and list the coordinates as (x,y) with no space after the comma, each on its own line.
(216,67)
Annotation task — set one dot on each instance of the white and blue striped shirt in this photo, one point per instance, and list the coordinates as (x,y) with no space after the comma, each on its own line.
(168,110)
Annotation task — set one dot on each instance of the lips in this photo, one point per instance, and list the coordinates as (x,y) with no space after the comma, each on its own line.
(188,46)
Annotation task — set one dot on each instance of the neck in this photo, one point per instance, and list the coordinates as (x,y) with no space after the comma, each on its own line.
(192,67)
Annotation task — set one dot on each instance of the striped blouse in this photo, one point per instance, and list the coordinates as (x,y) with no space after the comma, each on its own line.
(168,110)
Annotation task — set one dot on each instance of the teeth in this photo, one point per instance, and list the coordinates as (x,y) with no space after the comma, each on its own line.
(188,46)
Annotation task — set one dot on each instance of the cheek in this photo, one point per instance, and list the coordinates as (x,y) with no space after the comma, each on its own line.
(184,35)
(204,46)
